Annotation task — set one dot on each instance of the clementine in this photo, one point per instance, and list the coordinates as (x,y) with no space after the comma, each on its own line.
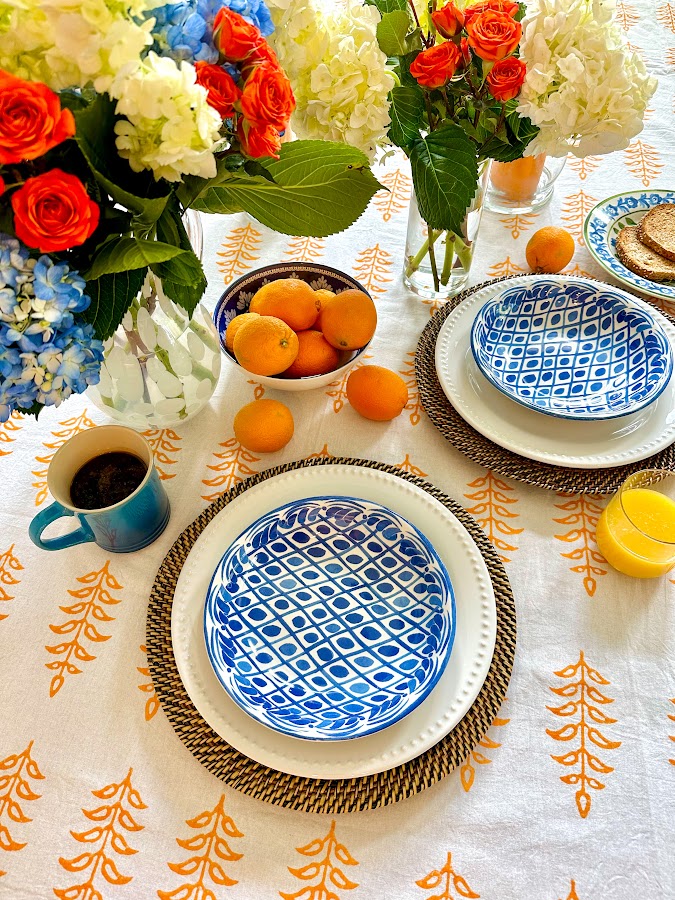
(235,325)
(315,356)
(348,321)
(264,426)
(289,299)
(549,250)
(377,393)
(322,297)
(265,345)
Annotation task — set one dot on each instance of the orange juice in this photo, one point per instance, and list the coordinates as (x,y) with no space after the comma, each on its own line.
(636,533)
(518,180)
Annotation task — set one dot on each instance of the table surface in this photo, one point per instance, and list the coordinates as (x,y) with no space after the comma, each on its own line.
(97,790)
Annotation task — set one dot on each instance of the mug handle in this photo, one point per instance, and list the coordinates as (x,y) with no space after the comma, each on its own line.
(45,517)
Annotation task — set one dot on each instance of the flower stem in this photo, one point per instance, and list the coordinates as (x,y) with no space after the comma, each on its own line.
(414,264)
(432,258)
(449,257)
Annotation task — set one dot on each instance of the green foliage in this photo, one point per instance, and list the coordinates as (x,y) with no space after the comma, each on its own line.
(407,114)
(392,33)
(183,279)
(386,6)
(111,296)
(123,253)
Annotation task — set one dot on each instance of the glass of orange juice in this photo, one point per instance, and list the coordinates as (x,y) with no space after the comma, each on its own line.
(636,531)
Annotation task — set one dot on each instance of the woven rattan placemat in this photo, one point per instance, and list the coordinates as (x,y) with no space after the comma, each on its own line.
(485,452)
(310,794)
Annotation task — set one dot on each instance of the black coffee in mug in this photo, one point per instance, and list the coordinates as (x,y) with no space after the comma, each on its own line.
(106,480)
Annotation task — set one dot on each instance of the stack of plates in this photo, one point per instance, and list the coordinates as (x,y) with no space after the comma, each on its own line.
(334,622)
(563,370)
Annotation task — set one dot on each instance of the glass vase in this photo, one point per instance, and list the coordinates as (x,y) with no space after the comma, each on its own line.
(523,186)
(160,367)
(438,263)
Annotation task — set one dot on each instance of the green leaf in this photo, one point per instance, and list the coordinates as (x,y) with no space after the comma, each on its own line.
(519,132)
(111,296)
(445,174)
(123,253)
(171,229)
(319,188)
(407,113)
(392,33)
(183,279)
(386,6)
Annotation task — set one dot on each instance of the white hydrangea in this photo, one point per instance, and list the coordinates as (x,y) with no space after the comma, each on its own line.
(65,43)
(331,55)
(169,127)
(584,88)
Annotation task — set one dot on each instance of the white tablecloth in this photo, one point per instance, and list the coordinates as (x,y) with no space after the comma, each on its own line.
(81,729)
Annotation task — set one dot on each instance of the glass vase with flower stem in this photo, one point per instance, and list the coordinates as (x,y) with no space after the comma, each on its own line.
(524,185)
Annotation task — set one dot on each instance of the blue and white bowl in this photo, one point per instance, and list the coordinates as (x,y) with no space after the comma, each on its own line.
(329,618)
(606,220)
(572,348)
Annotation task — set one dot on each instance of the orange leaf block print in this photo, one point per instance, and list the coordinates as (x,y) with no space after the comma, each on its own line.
(323,453)
(338,389)
(583,702)
(164,443)
(238,253)
(69,428)
(504,268)
(372,267)
(492,501)
(573,892)
(626,16)
(324,871)
(16,772)
(152,702)
(305,249)
(666,16)
(672,736)
(82,624)
(9,564)
(584,167)
(8,431)
(643,161)
(232,468)
(408,466)
(467,770)
(583,513)
(213,828)
(112,819)
(670,56)
(396,199)
(519,223)
(258,389)
(413,405)
(452,885)
(575,208)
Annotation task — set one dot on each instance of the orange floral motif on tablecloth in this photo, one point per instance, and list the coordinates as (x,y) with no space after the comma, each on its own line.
(9,564)
(164,443)
(238,253)
(666,16)
(492,501)
(408,466)
(574,210)
(397,198)
(322,454)
(8,431)
(573,891)
(112,819)
(584,167)
(452,885)
(578,271)
(583,512)
(371,268)
(70,427)
(16,772)
(83,619)
(519,223)
(258,389)
(213,827)
(582,703)
(326,870)
(434,306)
(467,771)
(338,389)
(670,56)
(232,468)
(672,736)
(643,161)
(505,267)
(151,703)
(305,249)
(626,15)
(414,404)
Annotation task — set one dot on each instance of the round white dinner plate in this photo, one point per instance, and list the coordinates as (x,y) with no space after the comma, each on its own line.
(581,445)
(445,706)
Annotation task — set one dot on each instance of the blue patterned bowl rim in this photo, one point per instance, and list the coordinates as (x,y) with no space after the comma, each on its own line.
(595,286)
(449,612)
(600,242)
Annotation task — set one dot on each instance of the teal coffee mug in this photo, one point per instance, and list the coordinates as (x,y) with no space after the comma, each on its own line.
(131,524)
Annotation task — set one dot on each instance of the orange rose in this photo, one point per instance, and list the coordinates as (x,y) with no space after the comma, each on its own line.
(31,119)
(257,141)
(268,97)
(54,212)
(222,91)
(263,53)
(448,21)
(2,187)
(493,35)
(506,78)
(505,6)
(466,51)
(234,36)
(434,67)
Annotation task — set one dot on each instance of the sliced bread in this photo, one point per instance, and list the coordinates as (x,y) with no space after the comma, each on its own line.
(641,259)
(657,230)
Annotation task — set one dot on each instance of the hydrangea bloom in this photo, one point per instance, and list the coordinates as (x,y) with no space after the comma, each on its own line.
(46,353)
(169,126)
(337,70)
(584,88)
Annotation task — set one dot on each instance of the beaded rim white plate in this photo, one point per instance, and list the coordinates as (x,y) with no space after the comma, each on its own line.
(445,706)
(580,445)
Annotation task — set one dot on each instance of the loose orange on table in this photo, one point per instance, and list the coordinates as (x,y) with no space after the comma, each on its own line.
(636,533)
(348,322)
(289,299)
(315,356)
(234,327)
(264,426)
(377,393)
(549,250)
(265,346)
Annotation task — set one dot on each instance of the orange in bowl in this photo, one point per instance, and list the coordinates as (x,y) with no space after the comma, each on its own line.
(315,356)
(289,299)
(265,345)
(235,325)
(348,321)
(322,297)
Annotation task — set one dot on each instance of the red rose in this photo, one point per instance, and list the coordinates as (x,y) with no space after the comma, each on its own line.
(257,141)
(222,91)
(54,212)
(434,67)
(505,6)
(268,97)
(234,36)
(506,78)
(448,21)
(2,187)
(31,119)
(493,35)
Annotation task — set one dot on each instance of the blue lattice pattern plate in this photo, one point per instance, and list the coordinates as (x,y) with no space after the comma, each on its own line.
(572,349)
(329,618)
(607,219)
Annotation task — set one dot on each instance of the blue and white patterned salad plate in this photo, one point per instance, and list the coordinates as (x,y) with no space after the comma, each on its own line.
(572,349)
(603,224)
(329,618)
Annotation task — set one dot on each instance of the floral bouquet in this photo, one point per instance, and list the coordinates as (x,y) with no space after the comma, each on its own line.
(116,118)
